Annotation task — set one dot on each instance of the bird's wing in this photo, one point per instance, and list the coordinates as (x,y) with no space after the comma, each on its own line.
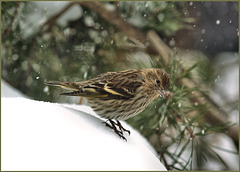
(119,86)
(104,90)
(109,86)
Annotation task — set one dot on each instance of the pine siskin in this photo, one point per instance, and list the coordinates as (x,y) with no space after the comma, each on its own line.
(119,95)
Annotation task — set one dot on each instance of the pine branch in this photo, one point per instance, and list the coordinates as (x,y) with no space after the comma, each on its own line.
(114,18)
(49,23)
(7,30)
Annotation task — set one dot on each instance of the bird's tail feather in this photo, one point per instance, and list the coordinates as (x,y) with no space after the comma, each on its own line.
(74,93)
(66,85)
(77,90)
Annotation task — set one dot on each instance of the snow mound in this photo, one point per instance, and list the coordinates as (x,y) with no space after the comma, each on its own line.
(9,91)
(40,136)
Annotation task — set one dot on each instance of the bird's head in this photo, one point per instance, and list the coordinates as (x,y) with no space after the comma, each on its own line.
(157,80)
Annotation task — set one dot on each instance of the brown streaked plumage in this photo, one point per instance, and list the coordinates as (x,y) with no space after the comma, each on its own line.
(119,95)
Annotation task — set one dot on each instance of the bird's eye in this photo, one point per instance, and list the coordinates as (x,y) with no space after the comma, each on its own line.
(157,81)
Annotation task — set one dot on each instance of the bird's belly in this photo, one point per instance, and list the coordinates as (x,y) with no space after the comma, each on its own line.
(119,109)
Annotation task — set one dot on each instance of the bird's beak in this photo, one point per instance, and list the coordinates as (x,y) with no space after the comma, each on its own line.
(161,93)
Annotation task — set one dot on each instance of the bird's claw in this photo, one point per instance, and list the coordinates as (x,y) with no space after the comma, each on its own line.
(118,131)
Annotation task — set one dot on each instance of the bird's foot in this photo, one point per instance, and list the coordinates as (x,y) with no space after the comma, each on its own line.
(119,131)
(121,128)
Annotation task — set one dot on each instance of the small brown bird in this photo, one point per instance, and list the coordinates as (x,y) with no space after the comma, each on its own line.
(119,95)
